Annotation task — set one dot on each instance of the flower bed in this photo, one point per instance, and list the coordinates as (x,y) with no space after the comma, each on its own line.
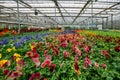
(64,56)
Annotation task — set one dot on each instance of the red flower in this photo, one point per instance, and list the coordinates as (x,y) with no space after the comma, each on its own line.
(87,62)
(7,72)
(103,65)
(117,48)
(35,76)
(52,67)
(76,68)
(47,62)
(104,52)
(96,65)
(55,50)
(64,44)
(66,54)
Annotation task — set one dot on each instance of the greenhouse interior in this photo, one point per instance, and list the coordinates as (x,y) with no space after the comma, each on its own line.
(59,39)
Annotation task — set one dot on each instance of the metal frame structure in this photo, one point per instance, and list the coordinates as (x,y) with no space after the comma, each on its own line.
(68,12)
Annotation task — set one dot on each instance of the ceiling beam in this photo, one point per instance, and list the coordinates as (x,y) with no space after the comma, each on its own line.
(27,5)
(64,16)
(81,10)
(65,7)
(103,11)
(56,4)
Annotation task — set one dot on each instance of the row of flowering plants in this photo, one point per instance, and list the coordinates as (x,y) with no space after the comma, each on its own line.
(64,56)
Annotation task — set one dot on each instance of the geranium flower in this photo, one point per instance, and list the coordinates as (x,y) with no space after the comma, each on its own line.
(76,68)
(66,54)
(52,67)
(87,62)
(96,65)
(105,53)
(9,49)
(103,65)
(35,76)
(117,48)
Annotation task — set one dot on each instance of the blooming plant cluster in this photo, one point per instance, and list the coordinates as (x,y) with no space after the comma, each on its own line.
(64,56)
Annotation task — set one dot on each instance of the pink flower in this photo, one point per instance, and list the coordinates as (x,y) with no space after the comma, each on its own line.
(45,52)
(52,67)
(34,56)
(35,76)
(66,54)
(78,51)
(103,65)
(96,65)
(87,62)
(105,53)
(47,62)
(36,61)
(87,48)
(20,65)
(76,58)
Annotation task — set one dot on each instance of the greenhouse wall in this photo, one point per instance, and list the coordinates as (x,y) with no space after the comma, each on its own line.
(113,22)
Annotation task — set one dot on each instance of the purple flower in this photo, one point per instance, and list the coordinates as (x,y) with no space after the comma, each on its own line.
(17,45)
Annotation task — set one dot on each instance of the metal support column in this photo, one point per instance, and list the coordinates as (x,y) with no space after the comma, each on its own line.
(18,16)
(106,22)
(103,23)
(112,21)
(92,13)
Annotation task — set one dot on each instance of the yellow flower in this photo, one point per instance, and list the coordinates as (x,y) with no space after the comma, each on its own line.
(31,46)
(9,50)
(17,59)
(0,55)
(2,62)
(17,55)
